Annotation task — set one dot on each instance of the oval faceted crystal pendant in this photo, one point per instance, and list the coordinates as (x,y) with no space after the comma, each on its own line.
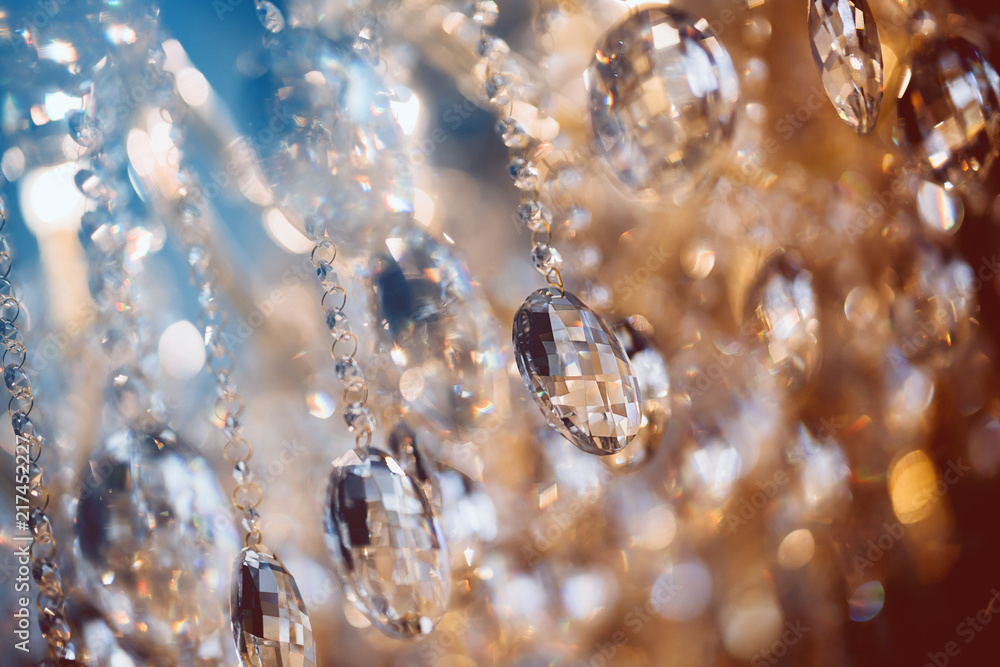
(153,544)
(387,545)
(845,47)
(949,113)
(270,623)
(663,93)
(575,368)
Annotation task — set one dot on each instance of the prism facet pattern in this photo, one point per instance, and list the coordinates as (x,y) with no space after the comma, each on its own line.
(575,368)
(270,622)
(846,49)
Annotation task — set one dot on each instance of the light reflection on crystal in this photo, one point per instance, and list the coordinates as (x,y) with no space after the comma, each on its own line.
(388,548)
(683,591)
(438,328)
(796,549)
(663,95)
(154,543)
(866,601)
(939,209)
(845,47)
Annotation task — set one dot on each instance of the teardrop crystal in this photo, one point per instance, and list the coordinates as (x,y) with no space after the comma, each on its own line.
(949,112)
(577,372)
(663,93)
(436,326)
(845,47)
(270,623)
(153,543)
(388,548)
(781,322)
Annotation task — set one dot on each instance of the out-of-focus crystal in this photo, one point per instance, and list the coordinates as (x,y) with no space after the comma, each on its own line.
(654,386)
(939,209)
(387,545)
(577,372)
(270,623)
(930,316)
(781,321)
(331,149)
(663,94)
(438,329)
(153,542)
(949,112)
(846,50)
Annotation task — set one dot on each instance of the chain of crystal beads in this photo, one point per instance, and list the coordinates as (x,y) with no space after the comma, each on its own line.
(587,392)
(106,232)
(28,450)
(526,151)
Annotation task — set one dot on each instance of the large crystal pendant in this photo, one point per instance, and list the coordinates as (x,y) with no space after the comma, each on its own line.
(153,543)
(437,328)
(329,144)
(270,623)
(577,372)
(949,113)
(781,322)
(845,47)
(663,94)
(387,545)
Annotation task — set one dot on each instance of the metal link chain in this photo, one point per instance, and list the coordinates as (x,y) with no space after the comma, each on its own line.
(220,359)
(357,415)
(50,601)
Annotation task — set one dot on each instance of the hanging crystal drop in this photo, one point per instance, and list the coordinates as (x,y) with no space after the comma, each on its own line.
(438,329)
(332,151)
(387,545)
(577,372)
(153,542)
(663,94)
(654,386)
(845,47)
(949,112)
(781,322)
(270,623)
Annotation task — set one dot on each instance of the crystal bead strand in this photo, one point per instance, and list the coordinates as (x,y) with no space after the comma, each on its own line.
(257,573)
(563,376)
(132,465)
(375,509)
(51,601)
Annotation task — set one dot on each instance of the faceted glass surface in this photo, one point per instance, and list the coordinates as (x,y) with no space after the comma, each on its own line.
(576,370)
(845,47)
(329,144)
(270,623)
(153,543)
(663,95)
(387,545)
(949,113)
(781,320)
(437,327)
